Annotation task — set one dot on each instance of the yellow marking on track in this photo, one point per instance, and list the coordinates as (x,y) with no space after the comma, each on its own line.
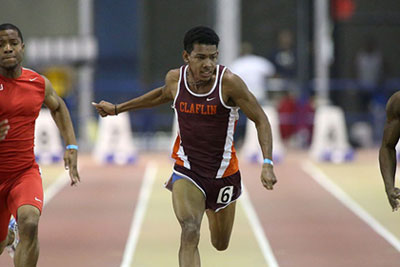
(158,243)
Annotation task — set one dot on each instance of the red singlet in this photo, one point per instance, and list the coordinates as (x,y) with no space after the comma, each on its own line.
(20,103)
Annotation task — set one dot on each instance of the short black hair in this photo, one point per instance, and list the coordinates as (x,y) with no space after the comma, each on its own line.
(9,26)
(199,35)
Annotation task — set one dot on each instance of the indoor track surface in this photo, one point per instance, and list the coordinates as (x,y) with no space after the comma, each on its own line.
(319,214)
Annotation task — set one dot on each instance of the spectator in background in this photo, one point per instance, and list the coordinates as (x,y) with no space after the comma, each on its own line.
(369,65)
(369,72)
(254,70)
(284,60)
(284,57)
(287,107)
(368,68)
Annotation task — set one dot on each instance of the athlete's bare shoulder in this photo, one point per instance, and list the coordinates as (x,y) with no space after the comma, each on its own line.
(171,83)
(233,81)
(233,86)
(47,85)
(393,106)
(172,76)
(229,75)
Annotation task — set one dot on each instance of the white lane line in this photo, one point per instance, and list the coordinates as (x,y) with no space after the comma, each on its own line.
(336,191)
(52,190)
(140,211)
(258,230)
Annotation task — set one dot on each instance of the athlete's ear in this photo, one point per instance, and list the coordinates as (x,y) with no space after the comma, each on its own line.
(185,56)
(22,51)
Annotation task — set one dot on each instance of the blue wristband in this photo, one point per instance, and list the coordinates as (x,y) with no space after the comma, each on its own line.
(268,161)
(75,147)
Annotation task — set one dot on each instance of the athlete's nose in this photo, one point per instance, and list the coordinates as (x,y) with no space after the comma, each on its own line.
(8,48)
(208,63)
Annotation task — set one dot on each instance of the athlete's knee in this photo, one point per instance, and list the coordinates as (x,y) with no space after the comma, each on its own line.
(28,222)
(220,244)
(190,232)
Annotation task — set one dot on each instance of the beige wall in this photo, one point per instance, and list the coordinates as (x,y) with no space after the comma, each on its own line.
(41,18)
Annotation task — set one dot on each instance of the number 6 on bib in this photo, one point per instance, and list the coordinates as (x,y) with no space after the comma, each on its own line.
(225,195)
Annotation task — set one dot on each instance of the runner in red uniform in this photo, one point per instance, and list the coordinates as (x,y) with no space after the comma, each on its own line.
(206,179)
(22,93)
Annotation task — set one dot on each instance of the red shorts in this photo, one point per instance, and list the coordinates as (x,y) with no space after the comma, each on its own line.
(16,190)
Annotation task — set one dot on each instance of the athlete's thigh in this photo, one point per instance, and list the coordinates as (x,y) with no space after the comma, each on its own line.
(27,190)
(5,216)
(188,201)
(221,222)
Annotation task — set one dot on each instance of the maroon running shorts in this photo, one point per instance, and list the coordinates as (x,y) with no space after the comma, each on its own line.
(219,193)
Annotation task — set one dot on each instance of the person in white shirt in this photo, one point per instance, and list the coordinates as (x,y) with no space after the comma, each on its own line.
(254,70)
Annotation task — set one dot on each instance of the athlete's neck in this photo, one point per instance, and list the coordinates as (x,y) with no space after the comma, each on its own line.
(11,73)
(198,85)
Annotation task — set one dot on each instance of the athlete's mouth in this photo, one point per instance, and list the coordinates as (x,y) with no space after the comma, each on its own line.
(6,58)
(206,73)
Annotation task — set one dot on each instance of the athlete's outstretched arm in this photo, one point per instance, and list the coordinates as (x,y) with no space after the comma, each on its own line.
(387,151)
(63,121)
(238,94)
(155,97)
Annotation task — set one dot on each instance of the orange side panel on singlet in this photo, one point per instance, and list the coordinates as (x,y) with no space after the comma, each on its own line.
(175,151)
